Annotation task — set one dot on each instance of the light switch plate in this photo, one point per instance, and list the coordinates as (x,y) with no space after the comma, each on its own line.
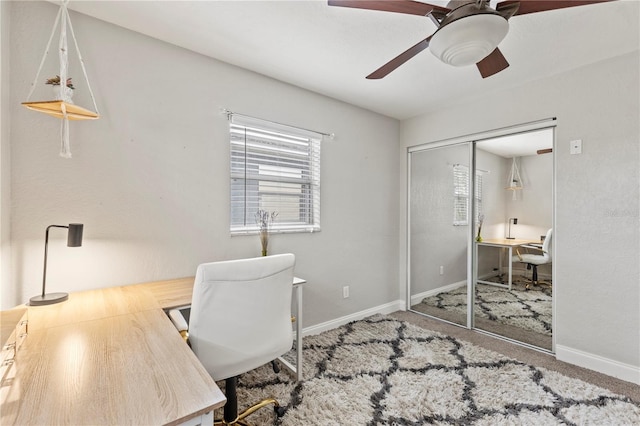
(575,147)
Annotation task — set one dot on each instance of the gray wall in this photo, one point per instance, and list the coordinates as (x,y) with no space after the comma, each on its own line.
(533,204)
(8,292)
(150,179)
(493,207)
(597,232)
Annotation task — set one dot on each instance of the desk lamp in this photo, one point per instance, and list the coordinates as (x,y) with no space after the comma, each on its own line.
(515,222)
(74,239)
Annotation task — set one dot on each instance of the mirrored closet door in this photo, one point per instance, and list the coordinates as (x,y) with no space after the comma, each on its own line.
(513,291)
(439,232)
(480,233)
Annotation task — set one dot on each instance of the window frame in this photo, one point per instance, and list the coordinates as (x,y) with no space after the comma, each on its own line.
(267,164)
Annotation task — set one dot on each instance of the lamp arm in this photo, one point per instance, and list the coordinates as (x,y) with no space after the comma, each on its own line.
(46,246)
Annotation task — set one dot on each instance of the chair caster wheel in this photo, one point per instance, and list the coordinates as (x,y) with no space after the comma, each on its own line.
(275,366)
(280,411)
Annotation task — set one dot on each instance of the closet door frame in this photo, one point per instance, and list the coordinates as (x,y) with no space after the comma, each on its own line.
(471,139)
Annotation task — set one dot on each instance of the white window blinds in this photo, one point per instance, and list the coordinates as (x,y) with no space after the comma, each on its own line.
(461,195)
(274,168)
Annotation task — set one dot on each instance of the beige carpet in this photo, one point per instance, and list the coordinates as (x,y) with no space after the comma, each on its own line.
(386,371)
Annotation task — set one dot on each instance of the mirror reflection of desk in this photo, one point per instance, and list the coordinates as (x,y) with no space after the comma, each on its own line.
(503,243)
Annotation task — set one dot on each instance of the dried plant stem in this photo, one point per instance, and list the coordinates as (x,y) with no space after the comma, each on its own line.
(264,240)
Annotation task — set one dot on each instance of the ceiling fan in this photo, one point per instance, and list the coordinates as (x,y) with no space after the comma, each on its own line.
(469,31)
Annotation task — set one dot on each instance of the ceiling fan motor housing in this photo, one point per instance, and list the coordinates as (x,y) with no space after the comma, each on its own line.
(469,33)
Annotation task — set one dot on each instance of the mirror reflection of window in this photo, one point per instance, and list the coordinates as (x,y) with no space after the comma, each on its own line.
(461,195)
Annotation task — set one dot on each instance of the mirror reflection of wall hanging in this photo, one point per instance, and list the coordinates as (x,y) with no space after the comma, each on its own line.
(62,106)
(514,182)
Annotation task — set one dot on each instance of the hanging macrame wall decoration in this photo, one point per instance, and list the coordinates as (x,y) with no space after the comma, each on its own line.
(62,105)
(514,182)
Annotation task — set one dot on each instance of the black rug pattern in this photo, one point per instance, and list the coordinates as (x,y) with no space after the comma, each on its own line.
(383,371)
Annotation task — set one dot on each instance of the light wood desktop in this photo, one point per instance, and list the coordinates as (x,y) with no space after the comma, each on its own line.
(108,356)
(503,243)
(112,356)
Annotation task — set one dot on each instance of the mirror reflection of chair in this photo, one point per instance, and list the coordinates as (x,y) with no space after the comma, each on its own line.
(240,319)
(539,256)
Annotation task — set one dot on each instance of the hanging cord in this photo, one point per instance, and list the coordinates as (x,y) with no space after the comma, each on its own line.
(65,95)
(84,71)
(65,148)
(46,52)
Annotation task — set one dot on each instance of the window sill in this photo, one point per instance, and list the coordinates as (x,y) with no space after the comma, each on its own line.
(301,230)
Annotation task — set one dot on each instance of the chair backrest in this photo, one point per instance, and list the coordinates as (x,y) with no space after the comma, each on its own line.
(546,244)
(241,313)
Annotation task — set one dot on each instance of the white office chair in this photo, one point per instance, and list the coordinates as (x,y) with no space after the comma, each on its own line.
(541,256)
(240,319)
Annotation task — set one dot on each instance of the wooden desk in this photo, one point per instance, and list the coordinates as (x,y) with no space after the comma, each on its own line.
(503,243)
(108,356)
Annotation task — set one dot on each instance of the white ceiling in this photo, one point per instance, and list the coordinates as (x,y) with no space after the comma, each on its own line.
(330,50)
(518,145)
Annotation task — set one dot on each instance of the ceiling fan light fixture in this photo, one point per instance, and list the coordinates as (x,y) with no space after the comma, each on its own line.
(468,40)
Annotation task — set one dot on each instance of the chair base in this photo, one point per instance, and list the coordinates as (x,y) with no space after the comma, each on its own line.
(240,419)
(534,277)
(530,282)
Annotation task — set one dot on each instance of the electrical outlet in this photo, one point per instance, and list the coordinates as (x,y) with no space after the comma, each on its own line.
(575,147)
(345,292)
(441,270)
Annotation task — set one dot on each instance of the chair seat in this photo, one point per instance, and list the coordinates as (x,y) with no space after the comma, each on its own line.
(534,259)
(231,362)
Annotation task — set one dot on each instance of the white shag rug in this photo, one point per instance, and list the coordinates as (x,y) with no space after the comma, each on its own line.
(384,371)
(527,309)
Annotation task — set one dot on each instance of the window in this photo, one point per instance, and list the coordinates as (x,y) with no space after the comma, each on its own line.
(461,195)
(274,168)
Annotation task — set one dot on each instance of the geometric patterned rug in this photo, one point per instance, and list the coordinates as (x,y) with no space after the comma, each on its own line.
(527,309)
(384,371)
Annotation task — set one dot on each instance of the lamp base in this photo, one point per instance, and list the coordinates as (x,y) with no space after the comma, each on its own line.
(48,299)
(511,238)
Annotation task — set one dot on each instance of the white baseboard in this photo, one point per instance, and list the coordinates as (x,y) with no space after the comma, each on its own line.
(627,372)
(417,298)
(387,308)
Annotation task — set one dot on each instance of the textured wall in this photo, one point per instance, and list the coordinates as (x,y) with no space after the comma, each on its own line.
(533,205)
(8,292)
(150,179)
(597,232)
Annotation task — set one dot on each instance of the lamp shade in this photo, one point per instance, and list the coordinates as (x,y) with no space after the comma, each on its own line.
(74,236)
(74,239)
(468,40)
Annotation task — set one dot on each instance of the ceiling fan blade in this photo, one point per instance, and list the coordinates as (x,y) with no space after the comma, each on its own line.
(532,6)
(400,6)
(492,64)
(399,60)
